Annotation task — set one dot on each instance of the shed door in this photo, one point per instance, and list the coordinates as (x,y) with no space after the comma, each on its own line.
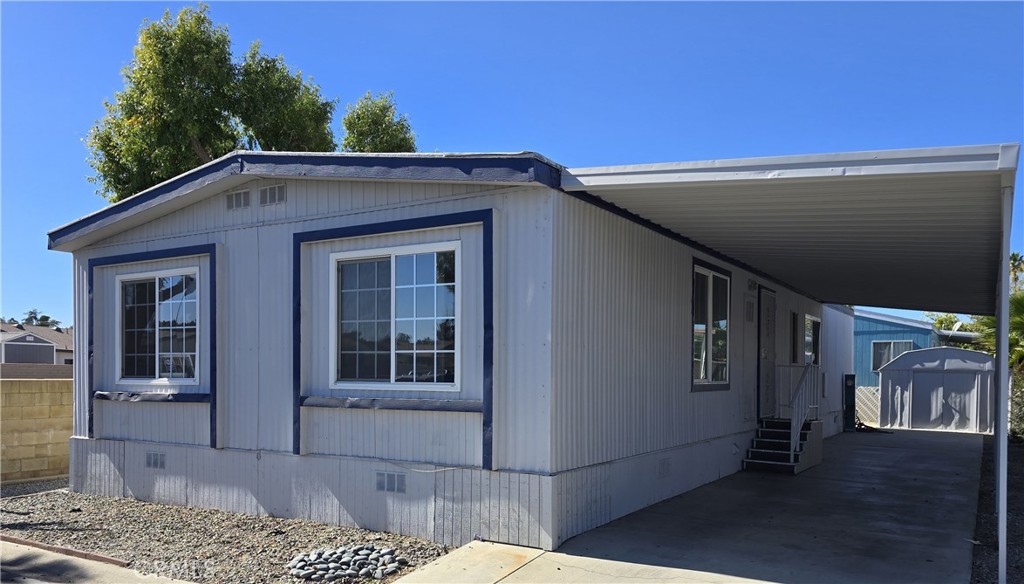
(766,346)
(960,401)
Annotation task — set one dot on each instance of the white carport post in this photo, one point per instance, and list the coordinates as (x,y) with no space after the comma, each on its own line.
(1003,373)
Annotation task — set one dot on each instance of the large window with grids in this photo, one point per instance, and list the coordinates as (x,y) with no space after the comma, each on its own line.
(395,318)
(158,327)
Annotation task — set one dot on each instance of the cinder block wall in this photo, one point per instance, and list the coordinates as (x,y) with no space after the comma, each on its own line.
(35,425)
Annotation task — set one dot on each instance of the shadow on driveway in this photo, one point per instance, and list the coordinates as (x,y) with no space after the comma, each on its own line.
(896,507)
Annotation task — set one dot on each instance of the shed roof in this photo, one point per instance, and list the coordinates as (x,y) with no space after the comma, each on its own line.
(941,359)
(917,229)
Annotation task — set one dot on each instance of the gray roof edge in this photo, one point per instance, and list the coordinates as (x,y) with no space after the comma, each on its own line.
(1001,157)
(502,168)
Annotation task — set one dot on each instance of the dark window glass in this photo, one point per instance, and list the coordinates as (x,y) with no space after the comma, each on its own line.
(364,288)
(424,318)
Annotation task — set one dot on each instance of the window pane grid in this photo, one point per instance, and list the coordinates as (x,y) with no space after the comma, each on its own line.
(364,334)
(419,329)
(159,328)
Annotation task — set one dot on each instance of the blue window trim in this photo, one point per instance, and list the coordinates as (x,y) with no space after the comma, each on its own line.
(483,217)
(710,386)
(148,256)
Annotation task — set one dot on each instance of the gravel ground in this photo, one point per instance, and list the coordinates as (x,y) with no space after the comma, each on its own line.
(199,545)
(19,489)
(986,552)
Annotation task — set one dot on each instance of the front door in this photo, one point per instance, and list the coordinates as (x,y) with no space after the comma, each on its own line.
(766,394)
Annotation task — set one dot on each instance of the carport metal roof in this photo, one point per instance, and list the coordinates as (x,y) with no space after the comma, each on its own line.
(919,229)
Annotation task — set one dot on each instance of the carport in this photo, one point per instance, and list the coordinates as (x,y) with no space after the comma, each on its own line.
(923,229)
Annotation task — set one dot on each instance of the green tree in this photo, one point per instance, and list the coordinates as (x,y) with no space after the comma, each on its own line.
(373,124)
(987,328)
(1016,271)
(31,316)
(185,103)
(281,111)
(45,320)
(1015,355)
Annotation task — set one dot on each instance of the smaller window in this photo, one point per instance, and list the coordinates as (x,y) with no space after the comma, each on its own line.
(710,327)
(884,351)
(812,340)
(272,195)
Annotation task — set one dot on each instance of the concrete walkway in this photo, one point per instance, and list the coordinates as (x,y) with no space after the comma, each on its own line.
(31,565)
(889,508)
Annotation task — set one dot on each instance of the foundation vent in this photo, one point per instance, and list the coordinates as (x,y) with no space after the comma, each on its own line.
(156,460)
(391,482)
(238,200)
(272,195)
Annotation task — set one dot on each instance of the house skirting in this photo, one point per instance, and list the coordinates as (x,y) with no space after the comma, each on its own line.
(452,506)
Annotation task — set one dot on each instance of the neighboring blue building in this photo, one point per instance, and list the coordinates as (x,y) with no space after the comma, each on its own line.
(880,338)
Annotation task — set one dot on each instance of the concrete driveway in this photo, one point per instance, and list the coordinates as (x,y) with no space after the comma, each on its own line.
(890,508)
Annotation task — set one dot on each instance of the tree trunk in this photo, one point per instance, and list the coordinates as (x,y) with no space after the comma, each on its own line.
(200,150)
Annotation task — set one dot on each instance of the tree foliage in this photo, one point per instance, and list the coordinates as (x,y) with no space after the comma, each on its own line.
(1016,271)
(281,111)
(185,102)
(36,318)
(373,124)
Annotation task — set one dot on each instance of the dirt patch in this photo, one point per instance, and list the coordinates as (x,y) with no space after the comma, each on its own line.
(986,551)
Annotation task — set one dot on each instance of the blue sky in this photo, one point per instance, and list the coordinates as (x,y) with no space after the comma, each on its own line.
(585,84)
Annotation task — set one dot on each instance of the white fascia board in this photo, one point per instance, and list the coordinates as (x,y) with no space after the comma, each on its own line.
(1000,158)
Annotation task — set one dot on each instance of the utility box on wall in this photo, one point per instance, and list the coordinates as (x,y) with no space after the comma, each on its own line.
(849,402)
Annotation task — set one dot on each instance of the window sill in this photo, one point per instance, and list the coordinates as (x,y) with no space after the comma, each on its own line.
(163,382)
(376,403)
(151,396)
(386,387)
(700,387)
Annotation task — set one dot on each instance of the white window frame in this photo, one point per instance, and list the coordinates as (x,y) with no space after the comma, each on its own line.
(391,252)
(811,319)
(890,342)
(118,332)
(711,275)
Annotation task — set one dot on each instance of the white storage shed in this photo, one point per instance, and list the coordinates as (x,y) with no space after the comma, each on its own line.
(942,388)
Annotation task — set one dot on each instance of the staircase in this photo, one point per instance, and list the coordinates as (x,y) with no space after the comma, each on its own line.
(770,450)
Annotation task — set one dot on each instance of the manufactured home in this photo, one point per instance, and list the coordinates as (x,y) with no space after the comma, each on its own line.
(460,346)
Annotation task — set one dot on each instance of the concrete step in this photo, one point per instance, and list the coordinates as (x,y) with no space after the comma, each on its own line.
(771,455)
(780,424)
(773,444)
(778,434)
(769,466)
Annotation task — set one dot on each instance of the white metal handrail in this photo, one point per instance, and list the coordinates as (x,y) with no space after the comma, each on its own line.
(804,396)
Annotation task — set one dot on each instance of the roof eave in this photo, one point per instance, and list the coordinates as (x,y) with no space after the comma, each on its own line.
(518,168)
(990,158)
